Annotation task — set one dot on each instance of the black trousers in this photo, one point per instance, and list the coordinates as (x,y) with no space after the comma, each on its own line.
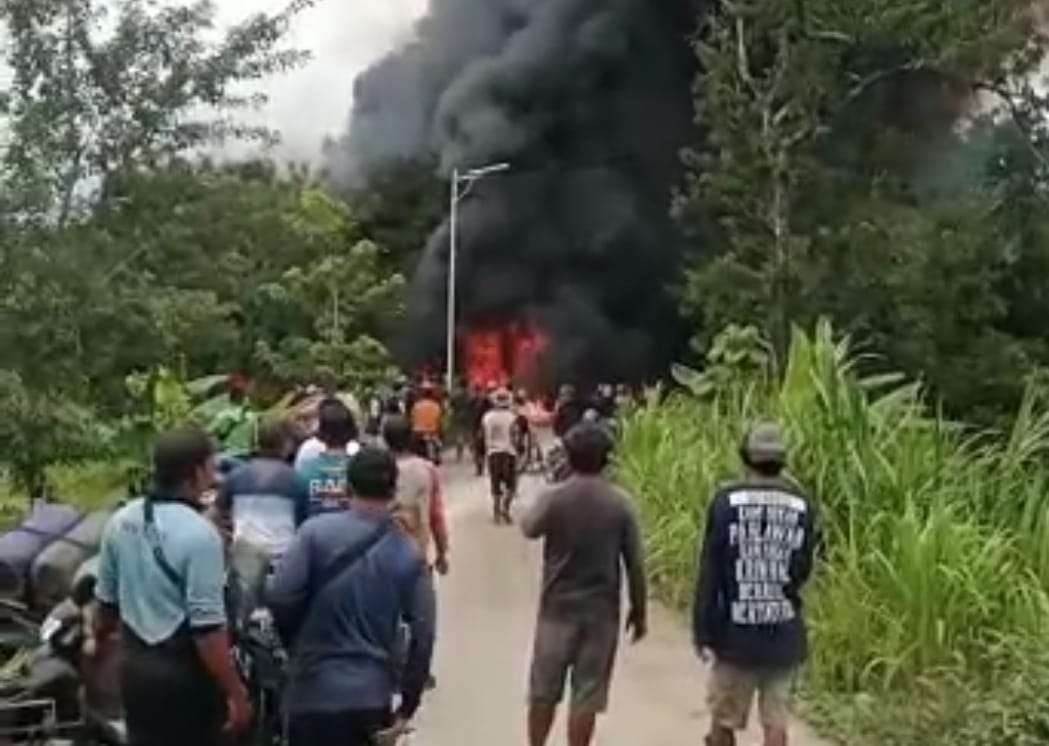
(169,698)
(502,469)
(346,728)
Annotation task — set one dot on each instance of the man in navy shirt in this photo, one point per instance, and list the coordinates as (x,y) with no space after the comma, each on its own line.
(338,597)
(757,554)
(263,502)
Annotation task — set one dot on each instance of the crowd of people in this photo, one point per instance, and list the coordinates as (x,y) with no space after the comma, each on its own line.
(337,538)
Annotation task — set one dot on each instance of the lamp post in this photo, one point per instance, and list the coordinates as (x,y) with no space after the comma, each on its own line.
(465,180)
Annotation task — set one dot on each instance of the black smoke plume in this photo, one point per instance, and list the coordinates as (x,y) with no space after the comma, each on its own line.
(590,101)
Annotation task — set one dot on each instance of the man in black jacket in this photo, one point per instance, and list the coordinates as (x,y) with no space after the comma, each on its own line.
(757,554)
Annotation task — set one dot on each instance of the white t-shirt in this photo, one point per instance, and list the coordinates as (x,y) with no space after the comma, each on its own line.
(313,448)
(498,426)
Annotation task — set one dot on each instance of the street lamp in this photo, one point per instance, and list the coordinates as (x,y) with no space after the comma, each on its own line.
(466,180)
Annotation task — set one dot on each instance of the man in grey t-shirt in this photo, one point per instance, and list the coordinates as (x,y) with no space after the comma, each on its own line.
(591,532)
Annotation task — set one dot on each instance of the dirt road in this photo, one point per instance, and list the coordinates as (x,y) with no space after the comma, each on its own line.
(487,612)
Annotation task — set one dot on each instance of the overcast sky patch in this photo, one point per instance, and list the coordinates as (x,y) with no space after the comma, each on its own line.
(345,36)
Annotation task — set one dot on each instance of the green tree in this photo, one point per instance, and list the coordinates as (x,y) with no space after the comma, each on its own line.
(830,166)
(94,94)
(341,303)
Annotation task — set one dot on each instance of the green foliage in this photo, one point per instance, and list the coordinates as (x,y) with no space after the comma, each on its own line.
(39,429)
(831,177)
(120,262)
(95,93)
(736,351)
(934,578)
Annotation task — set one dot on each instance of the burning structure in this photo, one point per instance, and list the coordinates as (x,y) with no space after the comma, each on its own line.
(564,260)
(505,355)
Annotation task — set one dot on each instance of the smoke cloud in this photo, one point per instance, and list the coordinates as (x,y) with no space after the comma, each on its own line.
(590,101)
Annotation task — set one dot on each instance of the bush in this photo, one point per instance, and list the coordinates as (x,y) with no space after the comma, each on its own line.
(936,562)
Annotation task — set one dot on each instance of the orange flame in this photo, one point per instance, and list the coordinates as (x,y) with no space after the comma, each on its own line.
(502,355)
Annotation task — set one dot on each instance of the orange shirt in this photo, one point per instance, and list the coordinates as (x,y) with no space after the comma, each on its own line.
(426,417)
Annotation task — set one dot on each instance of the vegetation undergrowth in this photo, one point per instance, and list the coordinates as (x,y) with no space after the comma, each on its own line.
(930,604)
(88,486)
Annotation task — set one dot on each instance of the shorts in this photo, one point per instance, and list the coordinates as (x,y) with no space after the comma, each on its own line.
(732,691)
(502,469)
(584,647)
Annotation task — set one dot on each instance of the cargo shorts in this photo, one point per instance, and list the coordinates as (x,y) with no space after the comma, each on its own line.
(584,648)
(732,691)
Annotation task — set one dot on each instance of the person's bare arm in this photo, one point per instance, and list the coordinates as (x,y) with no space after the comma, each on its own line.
(634,562)
(439,524)
(535,522)
(213,648)
(206,615)
(106,622)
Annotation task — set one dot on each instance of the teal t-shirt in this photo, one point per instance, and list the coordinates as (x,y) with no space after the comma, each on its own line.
(325,476)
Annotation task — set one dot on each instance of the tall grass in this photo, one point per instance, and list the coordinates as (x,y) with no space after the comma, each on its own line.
(935,570)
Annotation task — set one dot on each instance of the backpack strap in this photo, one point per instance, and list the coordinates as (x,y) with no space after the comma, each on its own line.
(157,547)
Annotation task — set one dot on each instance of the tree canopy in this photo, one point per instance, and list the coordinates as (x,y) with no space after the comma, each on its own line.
(883,165)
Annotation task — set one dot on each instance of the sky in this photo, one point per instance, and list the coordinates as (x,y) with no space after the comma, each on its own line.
(345,36)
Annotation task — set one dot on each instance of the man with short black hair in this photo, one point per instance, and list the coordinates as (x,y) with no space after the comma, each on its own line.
(591,532)
(264,502)
(160,581)
(757,554)
(325,470)
(338,597)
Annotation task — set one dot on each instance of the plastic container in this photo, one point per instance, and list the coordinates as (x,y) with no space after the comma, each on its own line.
(53,571)
(18,548)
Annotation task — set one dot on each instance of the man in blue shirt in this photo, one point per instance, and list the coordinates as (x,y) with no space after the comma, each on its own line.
(325,473)
(263,502)
(338,597)
(160,581)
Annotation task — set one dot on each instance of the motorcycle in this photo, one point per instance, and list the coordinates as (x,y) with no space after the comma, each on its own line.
(53,687)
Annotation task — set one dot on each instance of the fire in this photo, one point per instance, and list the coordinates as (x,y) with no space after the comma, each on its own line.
(502,355)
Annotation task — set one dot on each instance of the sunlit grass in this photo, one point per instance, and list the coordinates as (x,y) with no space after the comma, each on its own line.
(89,486)
(936,565)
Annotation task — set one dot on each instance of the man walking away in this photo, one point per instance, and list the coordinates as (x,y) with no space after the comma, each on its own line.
(314,445)
(419,502)
(161,581)
(338,598)
(569,410)
(590,531)
(419,508)
(426,423)
(461,404)
(480,405)
(498,426)
(757,554)
(264,503)
(325,473)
